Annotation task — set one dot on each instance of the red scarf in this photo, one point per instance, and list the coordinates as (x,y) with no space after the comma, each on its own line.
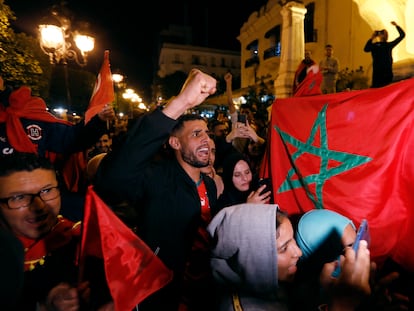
(37,250)
(23,105)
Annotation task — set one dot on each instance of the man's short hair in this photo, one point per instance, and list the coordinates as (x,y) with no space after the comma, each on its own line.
(22,161)
(328,46)
(185,118)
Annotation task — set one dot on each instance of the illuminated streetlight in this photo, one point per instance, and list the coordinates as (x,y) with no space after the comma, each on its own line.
(117,78)
(56,41)
(134,98)
(119,83)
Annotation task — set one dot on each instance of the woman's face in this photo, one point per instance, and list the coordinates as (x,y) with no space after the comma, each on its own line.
(348,236)
(288,252)
(242,176)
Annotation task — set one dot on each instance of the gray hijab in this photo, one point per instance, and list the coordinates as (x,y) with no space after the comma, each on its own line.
(244,251)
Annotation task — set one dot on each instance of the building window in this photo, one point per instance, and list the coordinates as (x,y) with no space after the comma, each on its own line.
(195,60)
(223,62)
(310,32)
(253,47)
(213,62)
(177,59)
(274,42)
(233,63)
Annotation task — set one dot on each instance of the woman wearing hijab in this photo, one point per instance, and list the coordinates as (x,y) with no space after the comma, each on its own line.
(240,183)
(254,255)
(322,236)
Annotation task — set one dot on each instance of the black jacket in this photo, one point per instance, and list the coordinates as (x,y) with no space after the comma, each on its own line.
(382,60)
(166,198)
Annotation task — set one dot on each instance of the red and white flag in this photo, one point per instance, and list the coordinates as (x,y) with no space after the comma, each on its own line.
(103,92)
(351,152)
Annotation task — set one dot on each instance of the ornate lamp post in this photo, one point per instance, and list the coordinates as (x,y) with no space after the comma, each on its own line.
(56,41)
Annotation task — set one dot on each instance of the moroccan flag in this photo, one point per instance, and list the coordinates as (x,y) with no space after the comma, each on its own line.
(133,271)
(103,92)
(351,152)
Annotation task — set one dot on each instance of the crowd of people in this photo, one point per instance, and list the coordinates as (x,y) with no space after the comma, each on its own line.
(190,189)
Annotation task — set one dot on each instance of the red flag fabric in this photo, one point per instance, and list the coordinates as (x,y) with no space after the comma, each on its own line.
(133,271)
(311,85)
(351,152)
(73,171)
(103,92)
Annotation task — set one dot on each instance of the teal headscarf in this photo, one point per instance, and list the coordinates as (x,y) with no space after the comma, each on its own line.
(319,235)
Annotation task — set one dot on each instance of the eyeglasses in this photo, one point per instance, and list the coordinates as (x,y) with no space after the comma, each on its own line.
(25,199)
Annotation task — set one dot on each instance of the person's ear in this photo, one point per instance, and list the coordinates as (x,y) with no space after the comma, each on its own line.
(174,142)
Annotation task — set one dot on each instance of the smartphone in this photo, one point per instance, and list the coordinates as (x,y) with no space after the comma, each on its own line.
(264,181)
(241,118)
(362,234)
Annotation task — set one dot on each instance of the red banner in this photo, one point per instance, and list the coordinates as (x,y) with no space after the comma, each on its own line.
(351,152)
(133,271)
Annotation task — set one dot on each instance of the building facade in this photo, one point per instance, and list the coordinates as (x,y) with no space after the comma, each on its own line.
(179,57)
(177,53)
(273,39)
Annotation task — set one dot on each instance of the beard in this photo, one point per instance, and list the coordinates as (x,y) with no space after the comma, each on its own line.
(191,159)
(307,61)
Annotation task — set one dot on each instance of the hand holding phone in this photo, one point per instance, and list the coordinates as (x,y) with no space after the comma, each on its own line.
(267,182)
(362,234)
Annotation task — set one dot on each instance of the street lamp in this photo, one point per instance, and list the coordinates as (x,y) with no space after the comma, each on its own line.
(135,101)
(56,41)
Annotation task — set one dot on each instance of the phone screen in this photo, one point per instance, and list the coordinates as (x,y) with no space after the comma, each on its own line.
(267,182)
(241,118)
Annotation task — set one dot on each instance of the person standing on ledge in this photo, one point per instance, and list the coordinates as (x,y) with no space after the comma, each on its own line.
(381,52)
(329,67)
(302,70)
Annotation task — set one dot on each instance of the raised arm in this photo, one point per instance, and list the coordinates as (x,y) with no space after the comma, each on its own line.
(121,171)
(229,92)
(400,32)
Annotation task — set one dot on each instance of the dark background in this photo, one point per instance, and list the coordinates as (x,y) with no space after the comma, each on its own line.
(129,29)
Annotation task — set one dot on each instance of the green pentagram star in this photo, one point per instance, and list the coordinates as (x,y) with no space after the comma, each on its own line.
(347,160)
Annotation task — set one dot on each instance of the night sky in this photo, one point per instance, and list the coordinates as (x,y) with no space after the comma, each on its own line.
(129,28)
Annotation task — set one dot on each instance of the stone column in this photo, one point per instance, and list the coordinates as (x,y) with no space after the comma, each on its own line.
(293,47)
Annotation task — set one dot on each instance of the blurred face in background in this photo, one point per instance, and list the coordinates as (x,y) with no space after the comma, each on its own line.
(308,55)
(104,143)
(328,51)
(220,130)
(242,176)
